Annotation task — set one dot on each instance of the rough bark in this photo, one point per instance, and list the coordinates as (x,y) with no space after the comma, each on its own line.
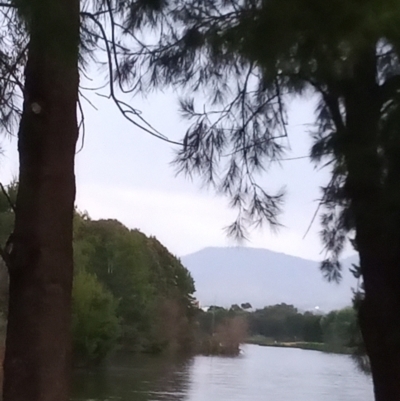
(376,241)
(38,346)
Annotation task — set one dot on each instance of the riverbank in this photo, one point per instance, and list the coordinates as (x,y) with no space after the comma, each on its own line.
(313,346)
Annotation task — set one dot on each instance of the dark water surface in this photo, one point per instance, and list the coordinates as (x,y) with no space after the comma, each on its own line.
(260,374)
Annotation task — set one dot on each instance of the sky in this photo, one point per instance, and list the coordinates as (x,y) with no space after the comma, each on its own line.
(123,173)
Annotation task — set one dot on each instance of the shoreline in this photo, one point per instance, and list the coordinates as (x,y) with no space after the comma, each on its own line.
(321,347)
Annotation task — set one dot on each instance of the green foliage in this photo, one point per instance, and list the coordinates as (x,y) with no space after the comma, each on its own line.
(7,202)
(153,289)
(110,251)
(129,290)
(284,325)
(94,321)
(337,327)
(220,331)
(357,343)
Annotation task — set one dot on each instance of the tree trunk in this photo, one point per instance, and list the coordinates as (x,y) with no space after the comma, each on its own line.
(376,241)
(380,324)
(38,346)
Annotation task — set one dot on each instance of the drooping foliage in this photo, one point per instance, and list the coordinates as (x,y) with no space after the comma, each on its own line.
(248,59)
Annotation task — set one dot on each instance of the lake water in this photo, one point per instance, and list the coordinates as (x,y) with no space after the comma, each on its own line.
(260,374)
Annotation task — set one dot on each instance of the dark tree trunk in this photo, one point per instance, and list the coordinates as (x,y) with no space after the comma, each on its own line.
(38,346)
(376,241)
(380,325)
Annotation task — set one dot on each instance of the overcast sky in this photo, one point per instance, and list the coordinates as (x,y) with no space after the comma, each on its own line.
(124,173)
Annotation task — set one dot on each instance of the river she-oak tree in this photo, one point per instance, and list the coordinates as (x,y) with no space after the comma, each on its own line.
(250,57)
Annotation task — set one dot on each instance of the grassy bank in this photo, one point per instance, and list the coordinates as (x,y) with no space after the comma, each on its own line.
(268,342)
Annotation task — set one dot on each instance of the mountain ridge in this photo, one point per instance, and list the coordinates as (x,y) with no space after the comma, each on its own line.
(228,275)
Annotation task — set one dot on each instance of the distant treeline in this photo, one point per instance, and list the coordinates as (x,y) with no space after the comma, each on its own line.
(129,291)
(286,324)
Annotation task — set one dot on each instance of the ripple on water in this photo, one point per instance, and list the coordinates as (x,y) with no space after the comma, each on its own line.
(259,374)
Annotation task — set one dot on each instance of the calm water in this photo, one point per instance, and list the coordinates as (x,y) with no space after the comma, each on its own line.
(261,373)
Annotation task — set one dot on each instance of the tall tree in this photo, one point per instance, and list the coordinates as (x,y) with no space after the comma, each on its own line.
(39,252)
(44,46)
(251,57)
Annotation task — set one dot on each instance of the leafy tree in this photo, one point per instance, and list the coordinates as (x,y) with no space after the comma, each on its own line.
(44,47)
(136,286)
(285,323)
(154,291)
(134,268)
(174,299)
(235,308)
(312,330)
(117,259)
(337,328)
(246,305)
(94,321)
(214,317)
(251,58)
(41,44)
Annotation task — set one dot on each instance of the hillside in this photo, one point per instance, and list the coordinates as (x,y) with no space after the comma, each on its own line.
(226,276)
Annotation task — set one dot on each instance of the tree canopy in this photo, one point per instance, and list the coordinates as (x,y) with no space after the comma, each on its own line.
(152,290)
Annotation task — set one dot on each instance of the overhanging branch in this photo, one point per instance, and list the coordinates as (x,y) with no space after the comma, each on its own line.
(126,110)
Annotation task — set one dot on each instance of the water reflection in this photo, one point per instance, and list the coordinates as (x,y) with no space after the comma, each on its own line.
(138,378)
(260,374)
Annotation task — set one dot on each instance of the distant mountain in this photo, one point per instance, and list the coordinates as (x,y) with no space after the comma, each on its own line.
(225,276)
